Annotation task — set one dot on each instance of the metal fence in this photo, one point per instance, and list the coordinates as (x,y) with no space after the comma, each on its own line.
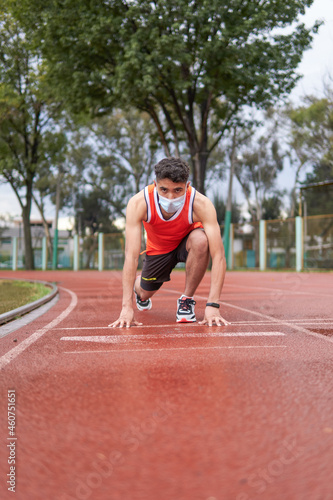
(318,242)
(281,244)
(300,243)
(295,243)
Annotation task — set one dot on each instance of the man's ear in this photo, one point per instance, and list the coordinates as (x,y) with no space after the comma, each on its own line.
(155,182)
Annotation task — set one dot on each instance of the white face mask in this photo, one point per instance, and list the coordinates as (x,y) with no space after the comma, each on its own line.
(171,206)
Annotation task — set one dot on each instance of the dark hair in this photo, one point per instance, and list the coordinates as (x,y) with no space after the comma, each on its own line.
(175,169)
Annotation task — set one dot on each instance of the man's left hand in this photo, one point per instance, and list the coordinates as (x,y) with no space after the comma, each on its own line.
(212,316)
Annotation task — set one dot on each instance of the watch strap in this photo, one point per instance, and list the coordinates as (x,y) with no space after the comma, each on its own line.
(213,304)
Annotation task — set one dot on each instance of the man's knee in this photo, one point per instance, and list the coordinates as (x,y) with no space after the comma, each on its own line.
(198,242)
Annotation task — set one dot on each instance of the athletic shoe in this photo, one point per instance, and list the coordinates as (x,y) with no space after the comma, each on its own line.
(185,310)
(142,305)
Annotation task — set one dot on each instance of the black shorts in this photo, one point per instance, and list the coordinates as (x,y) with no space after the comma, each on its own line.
(156,269)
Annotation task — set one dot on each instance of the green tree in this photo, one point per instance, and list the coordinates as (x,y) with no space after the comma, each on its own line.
(192,65)
(319,198)
(132,151)
(220,207)
(311,143)
(27,113)
(50,179)
(112,156)
(271,206)
(257,167)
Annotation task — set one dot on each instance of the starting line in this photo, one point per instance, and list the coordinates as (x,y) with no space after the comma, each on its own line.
(179,349)
(125,339)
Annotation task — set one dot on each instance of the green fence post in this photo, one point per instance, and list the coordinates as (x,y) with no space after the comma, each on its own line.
(226,233)
(299,243)
(262,245)
(14,254)
(44,254)
(230,261)
(100,251)
(76,255)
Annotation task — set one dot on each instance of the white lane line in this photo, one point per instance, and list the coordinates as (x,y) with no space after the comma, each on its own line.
(290,321)
(175,326)
(271,318)
(119,339)
(280,291)
(180,349)
(281,322)
(196,325)
(300,322)
(13,353)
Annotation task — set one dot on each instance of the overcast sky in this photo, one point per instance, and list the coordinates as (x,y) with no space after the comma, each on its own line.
(316,65)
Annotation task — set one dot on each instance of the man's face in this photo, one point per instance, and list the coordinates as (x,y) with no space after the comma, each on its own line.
(170,189)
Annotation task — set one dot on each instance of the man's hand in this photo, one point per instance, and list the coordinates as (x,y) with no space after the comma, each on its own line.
(212,316)
(126,318)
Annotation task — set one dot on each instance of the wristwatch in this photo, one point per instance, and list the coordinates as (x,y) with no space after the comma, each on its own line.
(213,304)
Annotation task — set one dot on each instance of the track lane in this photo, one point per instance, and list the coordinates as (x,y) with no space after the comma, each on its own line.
(198,415)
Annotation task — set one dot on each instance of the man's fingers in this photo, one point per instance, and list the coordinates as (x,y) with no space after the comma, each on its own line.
(211,321)
(120,323)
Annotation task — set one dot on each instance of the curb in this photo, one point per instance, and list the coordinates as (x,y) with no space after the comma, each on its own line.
(20,311)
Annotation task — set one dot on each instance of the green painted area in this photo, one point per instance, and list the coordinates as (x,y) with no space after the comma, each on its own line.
(15,293)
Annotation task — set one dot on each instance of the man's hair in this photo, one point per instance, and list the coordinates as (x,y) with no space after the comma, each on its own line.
(175,169)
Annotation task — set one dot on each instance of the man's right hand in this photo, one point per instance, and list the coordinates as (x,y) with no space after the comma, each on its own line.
(126,319)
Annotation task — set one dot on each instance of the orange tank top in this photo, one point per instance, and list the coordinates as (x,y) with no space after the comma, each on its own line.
(164,235)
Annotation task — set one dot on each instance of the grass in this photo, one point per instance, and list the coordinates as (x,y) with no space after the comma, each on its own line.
(14,293)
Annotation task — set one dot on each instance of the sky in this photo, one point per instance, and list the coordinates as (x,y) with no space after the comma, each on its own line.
(317,64)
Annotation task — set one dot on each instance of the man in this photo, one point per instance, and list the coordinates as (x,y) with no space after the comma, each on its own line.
(181,226)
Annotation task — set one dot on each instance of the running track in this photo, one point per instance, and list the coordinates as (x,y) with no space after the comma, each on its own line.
(169,411)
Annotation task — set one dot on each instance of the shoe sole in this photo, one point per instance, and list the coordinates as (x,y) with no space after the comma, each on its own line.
(184,320)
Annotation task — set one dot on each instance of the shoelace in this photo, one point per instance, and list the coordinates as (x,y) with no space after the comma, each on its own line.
(185,304)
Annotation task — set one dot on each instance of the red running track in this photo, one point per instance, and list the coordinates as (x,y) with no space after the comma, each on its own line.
(169,411)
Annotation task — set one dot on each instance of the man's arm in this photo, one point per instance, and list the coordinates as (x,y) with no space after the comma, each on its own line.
(205,212)
(135,213)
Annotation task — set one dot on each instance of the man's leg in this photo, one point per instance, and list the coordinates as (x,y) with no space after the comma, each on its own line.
(197,260)
(143,294)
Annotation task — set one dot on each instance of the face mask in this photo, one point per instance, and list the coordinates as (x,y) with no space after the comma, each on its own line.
(171,206)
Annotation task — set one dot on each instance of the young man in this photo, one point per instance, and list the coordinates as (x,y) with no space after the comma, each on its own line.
(181,226)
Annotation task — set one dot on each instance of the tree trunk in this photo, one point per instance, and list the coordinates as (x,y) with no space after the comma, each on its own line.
(29,256)
(91,250)
(40,207)
(199,161)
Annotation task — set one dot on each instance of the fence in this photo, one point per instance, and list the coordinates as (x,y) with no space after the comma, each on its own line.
(295,243)
(300,243)
(103,251)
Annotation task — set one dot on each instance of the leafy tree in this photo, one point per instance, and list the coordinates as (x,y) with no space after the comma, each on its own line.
(319,199)
(311,142)
(220,207)
(27,114)
(112,156)
(271,207)
(132,151)
(50,178)
(258,166)
(192,65)
(94,217)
